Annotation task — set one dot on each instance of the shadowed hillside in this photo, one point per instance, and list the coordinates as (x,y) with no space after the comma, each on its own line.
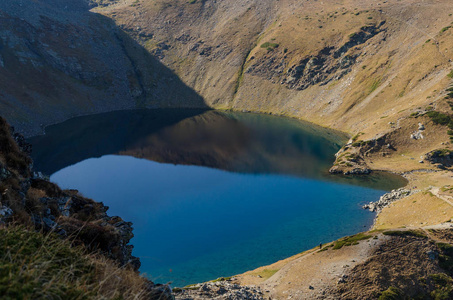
(58,60)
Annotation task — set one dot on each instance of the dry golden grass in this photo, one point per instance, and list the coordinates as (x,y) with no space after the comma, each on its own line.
(421,209)
(35,265)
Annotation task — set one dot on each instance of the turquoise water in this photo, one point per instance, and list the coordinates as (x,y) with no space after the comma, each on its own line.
(211,194)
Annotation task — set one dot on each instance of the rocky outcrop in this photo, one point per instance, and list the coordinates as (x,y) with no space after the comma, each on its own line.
(418,135)
(32,200)
(349,169)
(388,198)
(442,157)
(328,64)
(349,161)
(59,60)
(221,290)
(35,202)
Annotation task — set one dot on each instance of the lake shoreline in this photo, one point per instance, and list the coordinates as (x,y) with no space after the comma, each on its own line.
(411,180)
(262,144)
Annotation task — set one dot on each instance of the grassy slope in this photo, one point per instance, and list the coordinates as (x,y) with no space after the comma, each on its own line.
(58,60)
(375,262)
(396,69)
(400,71)
(217,48)
(37,266)
(238,55)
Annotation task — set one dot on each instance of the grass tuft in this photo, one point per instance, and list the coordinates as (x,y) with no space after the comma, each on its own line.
(392,293)
(405,233)
(38,266)
(350,240)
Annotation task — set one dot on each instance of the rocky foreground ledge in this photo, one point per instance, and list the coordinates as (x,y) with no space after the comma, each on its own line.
(28,199)
(220,290)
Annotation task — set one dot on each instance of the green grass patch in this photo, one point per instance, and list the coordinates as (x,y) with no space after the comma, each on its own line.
(443,286)
(326,248)
(392,293)
(355,137)
(446,258)
(440,118)
(450,74)
(441,153)
(350,240)
(376,83)
(445,246)
(445,29)
(269,46)
(266,273)
(34,266)
(405,233)
(221,279)
(446,188)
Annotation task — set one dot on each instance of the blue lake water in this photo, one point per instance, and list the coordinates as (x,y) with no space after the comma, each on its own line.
(211,194)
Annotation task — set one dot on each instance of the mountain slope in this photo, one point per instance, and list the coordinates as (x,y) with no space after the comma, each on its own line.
(329,62)
(58,60)
(364,68)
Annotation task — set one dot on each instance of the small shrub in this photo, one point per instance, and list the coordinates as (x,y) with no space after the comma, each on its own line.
(441,153)
(350,240)
(443,286)
(221,279)
(445,29)
(439,118)
(392,293)
(405,233)
(376,83)
(450,74)
(269,46)
(444,246)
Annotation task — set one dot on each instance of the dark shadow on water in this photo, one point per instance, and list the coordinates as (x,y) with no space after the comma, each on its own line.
(84,137)
(236,142)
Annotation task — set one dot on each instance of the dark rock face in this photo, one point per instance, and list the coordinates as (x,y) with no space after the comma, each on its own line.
(442,157)
(42,204)
(220,290)
(59,60)
(27,198)
(328,64)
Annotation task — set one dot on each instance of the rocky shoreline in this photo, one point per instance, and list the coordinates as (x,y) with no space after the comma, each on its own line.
(388,198)
(220,290)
